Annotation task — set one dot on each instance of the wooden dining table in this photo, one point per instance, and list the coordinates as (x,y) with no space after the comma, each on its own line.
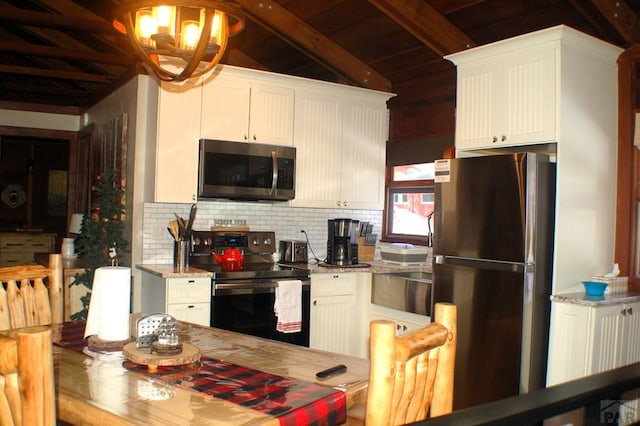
(280,384)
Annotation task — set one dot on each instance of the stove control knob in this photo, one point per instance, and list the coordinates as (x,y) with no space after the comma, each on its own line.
(267,241)
(196,241)
(255,242)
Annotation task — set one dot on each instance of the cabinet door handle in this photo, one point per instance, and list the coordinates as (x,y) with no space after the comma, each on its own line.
(494,139)
(315,302)
(623,311)
(191,306)
(398,327)
(503,138)
(630,311)
(255,138)
(404,328)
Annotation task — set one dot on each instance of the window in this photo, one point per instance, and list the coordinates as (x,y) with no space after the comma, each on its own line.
(409,203)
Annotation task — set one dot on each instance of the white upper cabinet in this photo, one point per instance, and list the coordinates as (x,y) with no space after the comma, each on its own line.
(537,88)
(340,142)
(318,142)
(507,99)
(340,133)
(242,110)
(365,133)
(178,130)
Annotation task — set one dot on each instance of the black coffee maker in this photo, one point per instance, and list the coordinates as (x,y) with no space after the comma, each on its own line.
(342,241)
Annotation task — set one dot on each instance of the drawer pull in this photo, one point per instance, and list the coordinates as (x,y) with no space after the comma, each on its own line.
(191,306)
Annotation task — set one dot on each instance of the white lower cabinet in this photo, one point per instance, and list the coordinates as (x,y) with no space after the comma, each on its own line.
(588,339)
(405,321)
(186,299)
(337,314)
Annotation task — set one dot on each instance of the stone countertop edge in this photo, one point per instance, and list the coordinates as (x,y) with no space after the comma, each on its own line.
(595,301)
(376,267)
(168,271)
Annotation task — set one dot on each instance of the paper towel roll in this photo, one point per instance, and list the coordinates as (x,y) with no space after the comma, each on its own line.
(108,316)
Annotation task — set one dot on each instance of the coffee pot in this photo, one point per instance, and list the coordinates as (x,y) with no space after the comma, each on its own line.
(231,260)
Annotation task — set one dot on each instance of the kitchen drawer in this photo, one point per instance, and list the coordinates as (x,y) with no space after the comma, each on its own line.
(188,290)
(16,258)
(196,313)
(29,243)
(328,284)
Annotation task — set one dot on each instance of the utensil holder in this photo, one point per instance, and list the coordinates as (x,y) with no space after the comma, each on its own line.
(181,255)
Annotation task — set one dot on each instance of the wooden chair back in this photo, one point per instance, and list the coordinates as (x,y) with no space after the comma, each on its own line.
(31,295)
(411,375)
(27,394)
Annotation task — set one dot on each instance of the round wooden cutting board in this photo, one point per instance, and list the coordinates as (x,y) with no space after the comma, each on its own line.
(188,355)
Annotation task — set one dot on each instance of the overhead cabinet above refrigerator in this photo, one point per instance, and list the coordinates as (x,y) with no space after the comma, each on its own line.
(554,91)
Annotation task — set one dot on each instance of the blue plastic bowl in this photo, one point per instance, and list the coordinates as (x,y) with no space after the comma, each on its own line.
(594,288)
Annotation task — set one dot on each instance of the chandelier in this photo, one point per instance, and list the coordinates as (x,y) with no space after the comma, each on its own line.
(178,39)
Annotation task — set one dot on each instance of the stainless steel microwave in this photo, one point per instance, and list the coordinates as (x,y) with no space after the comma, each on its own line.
(246,171)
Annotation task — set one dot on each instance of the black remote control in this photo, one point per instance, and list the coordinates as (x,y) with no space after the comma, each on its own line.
(331,371)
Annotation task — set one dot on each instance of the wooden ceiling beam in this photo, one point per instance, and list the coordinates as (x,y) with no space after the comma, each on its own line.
(49,73)
(426,24)
(621,17)
(58,52)
(240,59)
(52,20)
(314,44)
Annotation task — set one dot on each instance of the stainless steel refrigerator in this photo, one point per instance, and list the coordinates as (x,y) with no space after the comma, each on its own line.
(493,254)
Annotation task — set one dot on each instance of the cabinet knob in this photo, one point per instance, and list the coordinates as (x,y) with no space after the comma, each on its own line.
(494,139)
(338,203)
(315,302)
(404,328)
(630,311)
(255,138)
(623,312)
(503,138)
(245,137)
(344,204)
(398,327)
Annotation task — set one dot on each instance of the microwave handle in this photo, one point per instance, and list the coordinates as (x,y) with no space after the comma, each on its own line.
(274,180)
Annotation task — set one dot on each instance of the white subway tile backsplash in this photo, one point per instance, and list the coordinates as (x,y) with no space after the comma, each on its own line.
(285,221)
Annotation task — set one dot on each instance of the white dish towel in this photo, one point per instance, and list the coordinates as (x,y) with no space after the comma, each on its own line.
(288,306)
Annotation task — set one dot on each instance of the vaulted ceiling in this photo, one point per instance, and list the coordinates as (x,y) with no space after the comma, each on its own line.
(64,55)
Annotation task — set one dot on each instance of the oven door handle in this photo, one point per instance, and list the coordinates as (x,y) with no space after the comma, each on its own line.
(248,288)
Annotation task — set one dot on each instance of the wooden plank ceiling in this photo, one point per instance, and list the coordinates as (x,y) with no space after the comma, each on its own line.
(64,55)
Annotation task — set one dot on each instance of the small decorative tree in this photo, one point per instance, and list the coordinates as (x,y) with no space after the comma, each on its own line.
(102,231)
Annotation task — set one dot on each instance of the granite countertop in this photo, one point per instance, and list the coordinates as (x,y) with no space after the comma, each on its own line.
(581,298)
(374,266)
(168,271)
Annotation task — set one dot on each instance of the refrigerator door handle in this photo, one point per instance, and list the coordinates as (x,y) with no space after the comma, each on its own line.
(495,265)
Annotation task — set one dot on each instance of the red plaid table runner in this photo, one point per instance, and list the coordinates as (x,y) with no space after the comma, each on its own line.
(293,402)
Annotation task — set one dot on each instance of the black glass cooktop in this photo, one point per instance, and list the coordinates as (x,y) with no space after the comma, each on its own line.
(257,271)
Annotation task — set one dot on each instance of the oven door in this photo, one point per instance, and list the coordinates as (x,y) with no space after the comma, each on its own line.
(247,307)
